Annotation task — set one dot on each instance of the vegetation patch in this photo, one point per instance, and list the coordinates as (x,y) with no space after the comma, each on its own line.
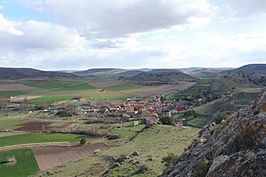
(25,165)
(39,138)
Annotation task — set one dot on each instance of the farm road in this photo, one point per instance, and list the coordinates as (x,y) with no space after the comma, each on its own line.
(31,145)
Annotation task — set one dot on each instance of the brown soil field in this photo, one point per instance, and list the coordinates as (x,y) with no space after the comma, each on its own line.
(42,126)
(9,87)
(50,157)
(34,126)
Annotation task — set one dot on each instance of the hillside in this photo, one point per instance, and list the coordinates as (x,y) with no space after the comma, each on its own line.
(25,73)
(203,72)
(234,147)
(214,87)
(101,72)
(251,68)
(128,74)
(220,108)
(162,76)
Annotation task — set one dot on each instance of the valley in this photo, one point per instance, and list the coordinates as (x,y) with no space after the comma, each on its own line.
(114,122)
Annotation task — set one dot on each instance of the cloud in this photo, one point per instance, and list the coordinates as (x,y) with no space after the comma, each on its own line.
(27,42)
(8,27)
(239,9)
(134,33)
(119,18)
(37,35)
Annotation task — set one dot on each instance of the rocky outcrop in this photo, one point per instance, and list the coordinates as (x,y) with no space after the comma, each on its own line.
(234,148)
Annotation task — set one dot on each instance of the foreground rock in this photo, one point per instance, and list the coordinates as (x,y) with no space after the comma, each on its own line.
(234,148)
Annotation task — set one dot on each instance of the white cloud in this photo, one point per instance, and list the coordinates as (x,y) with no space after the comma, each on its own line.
(119,18)
(8,27)
(134,33)
(239,9)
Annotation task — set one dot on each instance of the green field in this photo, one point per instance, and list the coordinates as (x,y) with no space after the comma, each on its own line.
(39,138)
(49,99)
(54,90)
(53,83)
(25,166)
(12,93)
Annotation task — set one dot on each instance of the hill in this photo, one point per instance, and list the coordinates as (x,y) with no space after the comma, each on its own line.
(251,68)
(162,76)
(221,108)
(215,87)
(234,147)
(127,74)
(26,73)
(203,72)
(100,72)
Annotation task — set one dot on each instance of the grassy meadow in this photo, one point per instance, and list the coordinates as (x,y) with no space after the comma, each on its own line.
(25,165)
(48,91)
(39,138)
(155,142)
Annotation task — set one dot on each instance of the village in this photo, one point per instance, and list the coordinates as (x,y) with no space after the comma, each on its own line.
(145,109)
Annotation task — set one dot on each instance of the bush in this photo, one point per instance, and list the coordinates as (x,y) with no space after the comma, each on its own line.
(113,137)
(142,169)
(167,120)
(169,159)
(82,141)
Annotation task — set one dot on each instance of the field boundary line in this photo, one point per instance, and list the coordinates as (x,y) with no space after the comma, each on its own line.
(31,145)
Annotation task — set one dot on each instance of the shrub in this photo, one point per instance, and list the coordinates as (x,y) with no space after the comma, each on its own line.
(142,169)
(169,159)
(113,137)
(82,141)
(167,120)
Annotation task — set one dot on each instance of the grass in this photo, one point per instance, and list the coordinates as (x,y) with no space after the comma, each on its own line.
(39,138)
(10,123)
(26,164)
(93,165)
(49,99)
(157,141)
(89,93)
(53,83)
(127,131)
(123,86)
(54,90)
(12,93)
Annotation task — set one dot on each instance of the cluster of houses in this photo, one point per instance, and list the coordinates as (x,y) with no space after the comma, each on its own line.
(148,109)
(145,108)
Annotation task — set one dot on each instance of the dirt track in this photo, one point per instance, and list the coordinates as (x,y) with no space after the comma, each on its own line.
(50,157)
(31,145)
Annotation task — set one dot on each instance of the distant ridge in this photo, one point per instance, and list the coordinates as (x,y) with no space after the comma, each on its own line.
(100,72)
(251,68)
(162,76)
(26,73)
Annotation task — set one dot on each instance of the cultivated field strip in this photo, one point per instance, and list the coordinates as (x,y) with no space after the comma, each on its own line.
(50,157)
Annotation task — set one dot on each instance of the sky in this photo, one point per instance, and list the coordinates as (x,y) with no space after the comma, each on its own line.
(83,34)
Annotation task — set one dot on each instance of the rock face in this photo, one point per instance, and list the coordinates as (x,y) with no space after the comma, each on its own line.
(234,148)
